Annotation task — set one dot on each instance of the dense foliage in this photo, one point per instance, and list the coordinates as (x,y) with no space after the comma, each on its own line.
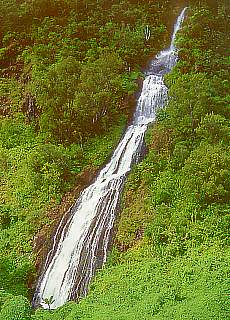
(68,72)
(64,82)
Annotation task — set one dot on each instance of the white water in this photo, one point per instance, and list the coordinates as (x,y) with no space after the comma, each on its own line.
(82,239)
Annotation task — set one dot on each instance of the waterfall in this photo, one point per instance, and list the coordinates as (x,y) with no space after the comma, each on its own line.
(81,242)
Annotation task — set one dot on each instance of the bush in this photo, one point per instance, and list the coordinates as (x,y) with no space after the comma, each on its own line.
(17,308)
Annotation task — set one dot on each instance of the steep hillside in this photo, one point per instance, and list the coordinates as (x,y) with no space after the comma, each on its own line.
(170,254)
(68,73)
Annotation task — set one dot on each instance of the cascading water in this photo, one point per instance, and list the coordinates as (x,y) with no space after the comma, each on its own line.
(81,242)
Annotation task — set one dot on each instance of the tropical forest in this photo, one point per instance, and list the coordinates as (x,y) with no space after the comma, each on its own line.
(114,141)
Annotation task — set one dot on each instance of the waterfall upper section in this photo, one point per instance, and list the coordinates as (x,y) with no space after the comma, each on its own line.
(81,242)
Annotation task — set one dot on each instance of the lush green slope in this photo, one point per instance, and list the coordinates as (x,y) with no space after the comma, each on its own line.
(189,287)
(68,72)
(170,258)
(170,255)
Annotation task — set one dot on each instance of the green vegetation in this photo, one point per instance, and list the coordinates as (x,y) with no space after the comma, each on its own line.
(68,71)
(65,79)
(155,289)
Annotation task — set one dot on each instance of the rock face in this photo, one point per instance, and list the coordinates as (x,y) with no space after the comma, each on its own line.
(29,107)
(43,240)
